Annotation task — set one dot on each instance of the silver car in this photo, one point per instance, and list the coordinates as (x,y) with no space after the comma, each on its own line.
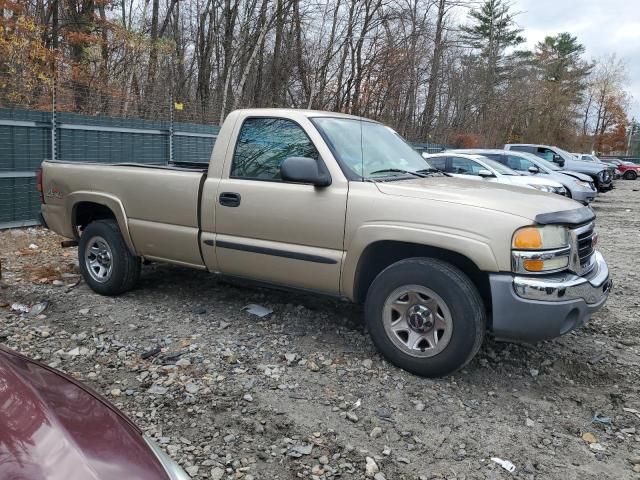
(479,167)
(579,186)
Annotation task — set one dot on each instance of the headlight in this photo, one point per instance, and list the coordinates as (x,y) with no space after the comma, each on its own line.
(544,188)
(540,249)
(601,175)
(174,470)
(541,238)
(582,184)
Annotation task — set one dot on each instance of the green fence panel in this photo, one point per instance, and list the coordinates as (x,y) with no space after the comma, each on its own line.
(19,201)
(193,143)
(25,141)
(110,140)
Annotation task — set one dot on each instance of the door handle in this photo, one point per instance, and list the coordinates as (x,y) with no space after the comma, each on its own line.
(229,199)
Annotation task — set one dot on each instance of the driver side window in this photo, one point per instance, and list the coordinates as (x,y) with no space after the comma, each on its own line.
(262,145)
(519,164)
(464,166)
(546,153)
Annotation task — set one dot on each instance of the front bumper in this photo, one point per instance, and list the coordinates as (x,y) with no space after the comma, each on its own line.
(533,308)
(583,195)
(605,186)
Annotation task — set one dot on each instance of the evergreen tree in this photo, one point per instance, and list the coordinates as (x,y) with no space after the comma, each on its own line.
(563,81)
(491,32)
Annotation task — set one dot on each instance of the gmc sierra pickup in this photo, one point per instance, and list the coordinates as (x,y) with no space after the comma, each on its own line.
(341,205)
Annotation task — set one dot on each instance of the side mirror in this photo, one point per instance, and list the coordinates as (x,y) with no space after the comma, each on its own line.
(534,170)
(558,159)
(304,170)
(485,173)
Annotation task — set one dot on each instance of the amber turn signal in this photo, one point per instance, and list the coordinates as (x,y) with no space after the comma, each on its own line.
(533,265)
(528,238)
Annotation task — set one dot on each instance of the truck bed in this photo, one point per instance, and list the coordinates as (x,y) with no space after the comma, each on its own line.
(160,203)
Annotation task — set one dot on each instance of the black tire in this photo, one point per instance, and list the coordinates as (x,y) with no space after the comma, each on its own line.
(125,267)
(461,298)
(630,175)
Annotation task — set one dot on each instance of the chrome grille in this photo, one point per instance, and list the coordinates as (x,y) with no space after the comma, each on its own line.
(583,248)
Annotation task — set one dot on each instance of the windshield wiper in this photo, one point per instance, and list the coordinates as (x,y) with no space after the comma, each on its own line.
(431,171)
(398,170)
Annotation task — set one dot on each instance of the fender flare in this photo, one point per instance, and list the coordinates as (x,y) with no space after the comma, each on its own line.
(473,247)
(111,202)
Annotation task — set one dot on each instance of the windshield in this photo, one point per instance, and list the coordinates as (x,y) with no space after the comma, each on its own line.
(369,149)
(498,167)
(564,154)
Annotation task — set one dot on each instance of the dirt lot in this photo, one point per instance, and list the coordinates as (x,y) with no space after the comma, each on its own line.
(303,394)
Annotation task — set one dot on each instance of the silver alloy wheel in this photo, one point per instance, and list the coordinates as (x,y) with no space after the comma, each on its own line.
(417,321)
(98,259)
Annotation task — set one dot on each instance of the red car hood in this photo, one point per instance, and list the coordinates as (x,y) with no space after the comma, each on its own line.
(51,428)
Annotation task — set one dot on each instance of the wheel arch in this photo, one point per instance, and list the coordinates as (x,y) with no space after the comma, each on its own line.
(380,254)
(89,206)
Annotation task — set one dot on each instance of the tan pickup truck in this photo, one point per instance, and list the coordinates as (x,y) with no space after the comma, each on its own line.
(342,206)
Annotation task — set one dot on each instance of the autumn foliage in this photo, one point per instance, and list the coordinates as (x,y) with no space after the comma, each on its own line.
(412,65)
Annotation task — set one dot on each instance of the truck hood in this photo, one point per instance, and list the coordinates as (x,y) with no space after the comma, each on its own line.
(51,428)
(581,166)
(511,199)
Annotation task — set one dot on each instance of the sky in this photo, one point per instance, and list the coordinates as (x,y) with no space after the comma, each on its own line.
(602,26)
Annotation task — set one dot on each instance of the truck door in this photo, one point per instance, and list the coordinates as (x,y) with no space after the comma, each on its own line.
(271,230)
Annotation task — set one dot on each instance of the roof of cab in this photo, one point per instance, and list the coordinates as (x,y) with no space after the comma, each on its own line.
(530,145)
(297,111)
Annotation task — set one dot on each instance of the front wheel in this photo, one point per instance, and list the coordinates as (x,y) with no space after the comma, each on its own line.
(106,263)
(630,175)
(425,316)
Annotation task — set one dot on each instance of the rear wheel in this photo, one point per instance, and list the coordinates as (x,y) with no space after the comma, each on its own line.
(630,175)
(106,263)
(425,316)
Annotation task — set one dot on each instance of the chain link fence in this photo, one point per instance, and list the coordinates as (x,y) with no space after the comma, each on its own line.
(73,122)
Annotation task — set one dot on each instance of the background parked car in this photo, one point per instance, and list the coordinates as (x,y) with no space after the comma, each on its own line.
(478,167)
(628,170)
(587,157)
(602,176)
(54,428)
(580,187)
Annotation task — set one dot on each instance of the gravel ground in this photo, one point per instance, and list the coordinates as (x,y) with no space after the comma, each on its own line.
(303,394)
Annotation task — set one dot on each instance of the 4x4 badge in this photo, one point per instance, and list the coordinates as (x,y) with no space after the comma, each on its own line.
(53,192)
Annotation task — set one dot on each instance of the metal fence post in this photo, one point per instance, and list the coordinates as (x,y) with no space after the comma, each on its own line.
(54,120)
(171,128)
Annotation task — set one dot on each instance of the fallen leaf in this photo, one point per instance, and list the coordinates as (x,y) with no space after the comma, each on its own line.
(589,437)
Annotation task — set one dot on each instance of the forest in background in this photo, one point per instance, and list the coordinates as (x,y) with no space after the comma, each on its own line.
(447,71)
